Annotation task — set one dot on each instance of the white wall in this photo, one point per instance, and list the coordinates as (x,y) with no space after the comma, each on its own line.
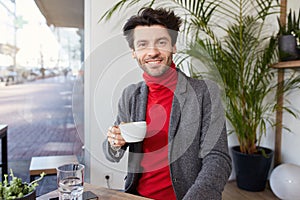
(290,150)
(109,68)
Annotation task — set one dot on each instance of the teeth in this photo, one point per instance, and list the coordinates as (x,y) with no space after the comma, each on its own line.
(153,62)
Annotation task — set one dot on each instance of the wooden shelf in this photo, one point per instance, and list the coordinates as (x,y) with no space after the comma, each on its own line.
(287,64)
(279,114)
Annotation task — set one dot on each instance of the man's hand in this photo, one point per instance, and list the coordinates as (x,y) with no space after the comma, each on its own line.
(114,137)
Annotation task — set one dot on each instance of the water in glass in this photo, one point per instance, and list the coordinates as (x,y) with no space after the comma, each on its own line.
(70,181)
(71,186)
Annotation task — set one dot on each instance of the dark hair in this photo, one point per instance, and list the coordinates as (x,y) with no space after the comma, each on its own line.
(148,17)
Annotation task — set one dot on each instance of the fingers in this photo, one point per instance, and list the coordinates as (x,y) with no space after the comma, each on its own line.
(114,133)
(114,137)
(116,142)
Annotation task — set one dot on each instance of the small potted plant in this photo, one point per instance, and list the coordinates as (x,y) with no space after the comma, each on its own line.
(17,189)
(288,36)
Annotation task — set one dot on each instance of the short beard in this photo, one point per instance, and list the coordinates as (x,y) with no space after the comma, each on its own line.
(157,73)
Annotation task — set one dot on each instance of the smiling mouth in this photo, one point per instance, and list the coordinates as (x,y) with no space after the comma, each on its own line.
(153,62)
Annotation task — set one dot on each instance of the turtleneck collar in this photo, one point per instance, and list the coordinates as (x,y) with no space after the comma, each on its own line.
(167,80)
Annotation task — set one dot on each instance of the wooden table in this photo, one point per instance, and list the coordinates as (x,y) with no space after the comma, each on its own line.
(3,137)
(101,192)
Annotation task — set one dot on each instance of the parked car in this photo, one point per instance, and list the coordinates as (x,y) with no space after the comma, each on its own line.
(7,74)
(3,72)
(12,76)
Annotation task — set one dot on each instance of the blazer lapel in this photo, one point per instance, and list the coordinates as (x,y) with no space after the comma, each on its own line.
(177,105)
(141,99)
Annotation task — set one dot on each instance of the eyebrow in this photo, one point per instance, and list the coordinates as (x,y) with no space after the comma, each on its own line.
(138,41)
(145,40)
(163,38)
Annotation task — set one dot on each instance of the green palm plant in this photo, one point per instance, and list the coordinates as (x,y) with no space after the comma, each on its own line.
(233,36)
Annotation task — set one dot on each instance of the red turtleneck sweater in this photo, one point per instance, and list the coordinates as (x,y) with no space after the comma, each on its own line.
(155,181)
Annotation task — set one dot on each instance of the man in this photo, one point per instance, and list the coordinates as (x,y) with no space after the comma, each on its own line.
(184,154)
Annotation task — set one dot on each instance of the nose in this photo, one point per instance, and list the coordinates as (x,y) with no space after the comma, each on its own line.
(153,51)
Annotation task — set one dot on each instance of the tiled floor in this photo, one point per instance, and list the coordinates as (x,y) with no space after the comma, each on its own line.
(40,122)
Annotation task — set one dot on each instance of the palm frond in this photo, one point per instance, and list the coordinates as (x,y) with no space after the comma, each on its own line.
(117,7)
(121,5)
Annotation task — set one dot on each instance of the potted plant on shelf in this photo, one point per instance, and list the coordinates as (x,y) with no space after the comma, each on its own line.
(288,36)
(17,189)
(232,38)
(297,32)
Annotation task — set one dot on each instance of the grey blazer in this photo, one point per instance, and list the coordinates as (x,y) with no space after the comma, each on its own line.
(197,149)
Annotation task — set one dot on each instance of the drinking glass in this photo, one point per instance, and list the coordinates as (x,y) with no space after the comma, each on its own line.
(70,179)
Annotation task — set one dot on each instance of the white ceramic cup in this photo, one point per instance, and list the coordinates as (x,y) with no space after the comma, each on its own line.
(133,131)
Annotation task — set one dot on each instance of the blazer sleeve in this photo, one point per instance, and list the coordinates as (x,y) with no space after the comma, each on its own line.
(123,116)
(216,162)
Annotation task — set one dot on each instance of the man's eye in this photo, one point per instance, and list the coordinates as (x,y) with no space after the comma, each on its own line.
(141,44)
(162,43)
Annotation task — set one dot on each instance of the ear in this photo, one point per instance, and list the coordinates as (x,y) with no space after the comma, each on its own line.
(133,54)
(174,49)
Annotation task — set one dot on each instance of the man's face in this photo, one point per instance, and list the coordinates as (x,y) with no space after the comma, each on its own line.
(153,49)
